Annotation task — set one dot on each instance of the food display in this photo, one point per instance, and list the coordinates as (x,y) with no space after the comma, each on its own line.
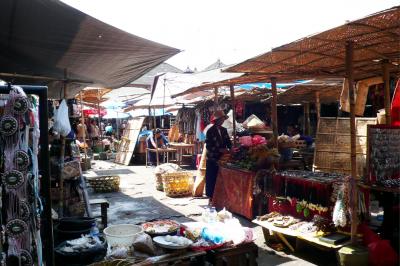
(161,227)
(172,242)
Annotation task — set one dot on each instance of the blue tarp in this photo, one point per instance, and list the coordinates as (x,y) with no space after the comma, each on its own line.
(250,86)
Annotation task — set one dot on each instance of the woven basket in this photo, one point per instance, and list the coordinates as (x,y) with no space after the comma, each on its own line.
(104,183)
(178,184)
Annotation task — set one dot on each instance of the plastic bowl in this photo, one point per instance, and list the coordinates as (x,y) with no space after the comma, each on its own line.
(122,234)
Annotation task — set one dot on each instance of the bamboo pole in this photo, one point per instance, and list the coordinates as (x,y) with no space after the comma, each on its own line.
(317,107)
(84,125)
(354,202)
(274,111)
(386,80)
(307,119)
(233,114)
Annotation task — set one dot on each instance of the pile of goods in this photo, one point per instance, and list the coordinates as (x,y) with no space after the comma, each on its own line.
(318,225)
(253,154)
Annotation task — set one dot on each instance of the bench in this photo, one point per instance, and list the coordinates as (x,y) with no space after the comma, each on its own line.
(104,204)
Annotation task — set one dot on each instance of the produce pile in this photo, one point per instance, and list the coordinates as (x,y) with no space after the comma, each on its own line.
(253,157)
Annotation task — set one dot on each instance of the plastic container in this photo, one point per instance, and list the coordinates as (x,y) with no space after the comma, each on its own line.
(122,234)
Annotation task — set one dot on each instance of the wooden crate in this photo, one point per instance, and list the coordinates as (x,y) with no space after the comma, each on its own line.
(332,145)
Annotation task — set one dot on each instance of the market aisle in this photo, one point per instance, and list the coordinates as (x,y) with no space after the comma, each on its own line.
(138,201)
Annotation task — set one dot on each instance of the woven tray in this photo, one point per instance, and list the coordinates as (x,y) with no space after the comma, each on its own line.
(178,184)
(104,183)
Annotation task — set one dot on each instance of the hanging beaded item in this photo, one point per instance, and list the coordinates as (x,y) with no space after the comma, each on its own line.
(21,160)
(26,258)
(13,179)
(20,105)
(8,125)
(19,130)
(25,211)
(16,228)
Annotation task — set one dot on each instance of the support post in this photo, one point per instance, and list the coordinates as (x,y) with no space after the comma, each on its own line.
(274,111)
(307,119)
(233,113)
(215,97)
(354,202)
(317,107)
(98,113)
(386,80)
(84,125)
(62,155)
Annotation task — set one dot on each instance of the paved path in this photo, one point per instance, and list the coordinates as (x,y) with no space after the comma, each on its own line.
(138,201)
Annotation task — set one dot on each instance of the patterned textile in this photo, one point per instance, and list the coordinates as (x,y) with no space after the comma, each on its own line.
(234,191)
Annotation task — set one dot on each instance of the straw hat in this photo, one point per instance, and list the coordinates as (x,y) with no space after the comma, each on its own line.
(218,114)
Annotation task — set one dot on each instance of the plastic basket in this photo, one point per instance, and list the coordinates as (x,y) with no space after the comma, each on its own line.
(178,184)
(105,183)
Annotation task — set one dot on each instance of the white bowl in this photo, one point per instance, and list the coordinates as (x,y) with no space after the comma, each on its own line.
(122,234)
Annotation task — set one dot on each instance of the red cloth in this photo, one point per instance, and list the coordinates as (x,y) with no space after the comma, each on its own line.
(395,109)
(381,253)
(234,191)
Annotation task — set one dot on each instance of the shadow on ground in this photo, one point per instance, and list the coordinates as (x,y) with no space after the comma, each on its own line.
(126,209)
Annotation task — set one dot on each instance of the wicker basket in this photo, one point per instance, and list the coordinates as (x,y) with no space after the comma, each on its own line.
(104,183)
(178,184)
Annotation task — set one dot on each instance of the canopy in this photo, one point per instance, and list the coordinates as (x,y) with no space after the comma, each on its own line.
(41,39)
(376,38)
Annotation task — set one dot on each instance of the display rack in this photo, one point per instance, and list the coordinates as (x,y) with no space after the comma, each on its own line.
(42,92)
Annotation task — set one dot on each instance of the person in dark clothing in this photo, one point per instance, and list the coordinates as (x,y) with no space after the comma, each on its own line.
(156,139)
(217,143)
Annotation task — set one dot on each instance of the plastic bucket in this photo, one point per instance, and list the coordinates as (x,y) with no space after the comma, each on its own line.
(122,234)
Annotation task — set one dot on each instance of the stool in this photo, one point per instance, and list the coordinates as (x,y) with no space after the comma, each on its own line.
(103,209)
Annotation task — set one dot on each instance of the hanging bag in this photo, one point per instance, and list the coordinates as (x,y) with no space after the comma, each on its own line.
(61,119)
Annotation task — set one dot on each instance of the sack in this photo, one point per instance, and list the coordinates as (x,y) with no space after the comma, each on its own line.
(61,120)
(71,170)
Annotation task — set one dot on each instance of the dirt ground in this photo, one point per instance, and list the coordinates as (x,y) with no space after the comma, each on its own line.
(138,201)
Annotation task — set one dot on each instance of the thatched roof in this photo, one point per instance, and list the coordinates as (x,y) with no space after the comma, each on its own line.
(376,38)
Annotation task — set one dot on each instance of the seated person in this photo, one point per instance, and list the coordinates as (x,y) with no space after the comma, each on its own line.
(156,139)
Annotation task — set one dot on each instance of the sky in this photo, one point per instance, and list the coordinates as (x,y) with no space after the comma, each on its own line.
(229,30)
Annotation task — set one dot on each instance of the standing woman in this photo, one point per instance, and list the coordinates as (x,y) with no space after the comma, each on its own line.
(217,143)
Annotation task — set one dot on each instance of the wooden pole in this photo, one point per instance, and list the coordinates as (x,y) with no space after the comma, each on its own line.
(84,125)
(62,156)
(317,108)
(233,113)
(274,111)
(215,97)
(98,113)
(307,119)
(386,80)
(354,202)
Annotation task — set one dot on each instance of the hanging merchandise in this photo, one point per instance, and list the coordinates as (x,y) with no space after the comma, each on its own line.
(61,120)
(185,119)
(21,207)
(239,109)
(395,108)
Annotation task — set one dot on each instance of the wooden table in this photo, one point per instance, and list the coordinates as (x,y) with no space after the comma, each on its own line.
(181,148)
(269,229)
(178,258)
(166,151)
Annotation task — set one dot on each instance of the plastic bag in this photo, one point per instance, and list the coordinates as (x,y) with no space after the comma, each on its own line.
(61,120)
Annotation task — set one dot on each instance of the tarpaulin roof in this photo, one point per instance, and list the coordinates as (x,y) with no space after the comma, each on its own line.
(45,37)
(376,38)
